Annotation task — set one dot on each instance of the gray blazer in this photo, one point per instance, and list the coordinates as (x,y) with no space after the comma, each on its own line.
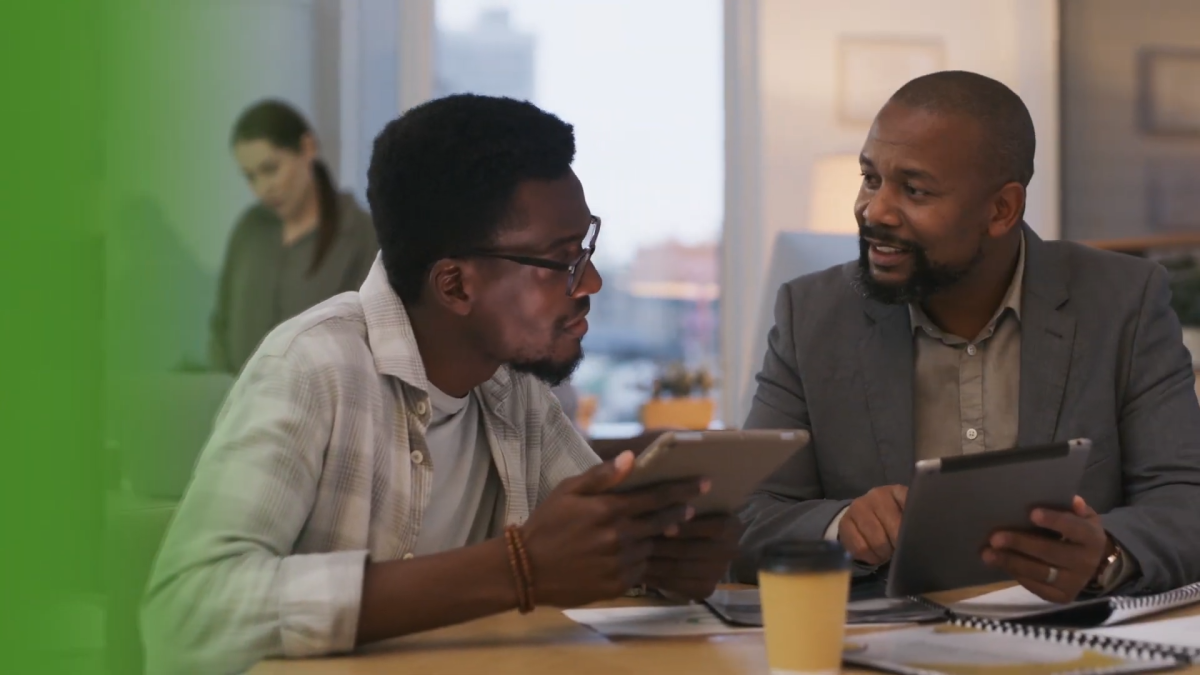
(1102,357)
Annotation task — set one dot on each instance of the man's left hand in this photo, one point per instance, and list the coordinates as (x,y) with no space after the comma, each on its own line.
(692,562)
(1054,570)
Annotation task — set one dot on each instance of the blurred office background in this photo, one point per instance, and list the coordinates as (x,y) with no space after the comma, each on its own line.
(706,129)
(641,81)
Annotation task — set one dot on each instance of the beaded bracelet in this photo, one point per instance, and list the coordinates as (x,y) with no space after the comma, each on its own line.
(526,567)
(518,577)
(522,570)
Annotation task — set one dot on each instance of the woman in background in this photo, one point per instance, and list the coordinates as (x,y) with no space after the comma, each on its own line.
(303,242)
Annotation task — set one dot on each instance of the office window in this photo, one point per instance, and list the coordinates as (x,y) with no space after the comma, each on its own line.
(641,80)
(368,83)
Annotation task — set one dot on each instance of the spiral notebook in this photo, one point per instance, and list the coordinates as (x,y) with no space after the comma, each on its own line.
(967,646)
(1179,635)
(1018,605)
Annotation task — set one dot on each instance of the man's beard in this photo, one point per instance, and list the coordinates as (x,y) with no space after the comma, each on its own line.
(548,370)
(926,279)
(554,372)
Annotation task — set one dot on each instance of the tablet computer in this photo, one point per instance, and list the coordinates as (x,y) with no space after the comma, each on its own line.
(956,503)
(735,461)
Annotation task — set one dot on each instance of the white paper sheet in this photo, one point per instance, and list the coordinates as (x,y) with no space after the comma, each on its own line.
(1010,602)
(1016,602)
(672,621)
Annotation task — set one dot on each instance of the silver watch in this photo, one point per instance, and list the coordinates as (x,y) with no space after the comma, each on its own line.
(1110,570)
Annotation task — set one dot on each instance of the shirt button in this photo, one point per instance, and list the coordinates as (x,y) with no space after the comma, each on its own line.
(971,350)
(972,434)
(418,457)
(421,408)
(407,556)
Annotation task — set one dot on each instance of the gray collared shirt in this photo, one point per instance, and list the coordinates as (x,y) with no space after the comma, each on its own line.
(979,379)
(966,392)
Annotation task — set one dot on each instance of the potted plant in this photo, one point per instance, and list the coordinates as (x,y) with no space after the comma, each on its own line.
(680,400)
(1185,300)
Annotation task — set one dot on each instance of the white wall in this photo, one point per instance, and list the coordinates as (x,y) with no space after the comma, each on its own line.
(213,59)
(797,47)
(1014,41)
(174,186)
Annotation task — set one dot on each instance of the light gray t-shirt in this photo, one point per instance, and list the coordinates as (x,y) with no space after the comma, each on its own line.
(466,488)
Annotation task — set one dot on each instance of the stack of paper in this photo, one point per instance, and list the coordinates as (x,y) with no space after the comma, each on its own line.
(732,612)
(1018,604)
(957,650)
(672,621)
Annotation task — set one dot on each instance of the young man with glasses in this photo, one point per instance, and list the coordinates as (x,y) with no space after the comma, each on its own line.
(392,460)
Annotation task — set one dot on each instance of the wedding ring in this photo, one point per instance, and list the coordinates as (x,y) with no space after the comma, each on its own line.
(1052,575)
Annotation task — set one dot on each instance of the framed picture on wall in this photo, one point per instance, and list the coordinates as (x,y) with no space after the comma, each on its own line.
(1169,91)
(871,69)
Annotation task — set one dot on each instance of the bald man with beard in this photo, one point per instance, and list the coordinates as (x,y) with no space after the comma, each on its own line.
(960,331)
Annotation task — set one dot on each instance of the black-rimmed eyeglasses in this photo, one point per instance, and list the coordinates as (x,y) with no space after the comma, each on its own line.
(575,270)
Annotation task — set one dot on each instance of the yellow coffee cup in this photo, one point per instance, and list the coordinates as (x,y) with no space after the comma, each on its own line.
(803,586)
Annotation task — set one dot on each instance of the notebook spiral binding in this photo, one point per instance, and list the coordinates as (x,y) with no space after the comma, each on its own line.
(1184,595)
(922,600)
(1102,643)
(1112,645)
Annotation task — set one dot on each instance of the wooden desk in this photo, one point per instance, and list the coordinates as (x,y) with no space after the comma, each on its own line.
(548,642)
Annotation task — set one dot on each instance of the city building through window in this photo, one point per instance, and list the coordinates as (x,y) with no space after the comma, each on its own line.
(641,80)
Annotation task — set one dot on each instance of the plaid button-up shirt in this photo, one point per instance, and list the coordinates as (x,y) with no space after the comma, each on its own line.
(317,464)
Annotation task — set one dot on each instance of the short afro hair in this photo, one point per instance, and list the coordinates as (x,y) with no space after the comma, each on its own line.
(443,176)
(1006,123)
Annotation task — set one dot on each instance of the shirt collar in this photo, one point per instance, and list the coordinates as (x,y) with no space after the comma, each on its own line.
(393,343)
(1012,300)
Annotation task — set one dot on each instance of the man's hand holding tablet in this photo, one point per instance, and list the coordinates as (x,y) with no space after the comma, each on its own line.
(689,560)
(588,543)
(1057,570)
(691,563)
(1055,546)
(871,525)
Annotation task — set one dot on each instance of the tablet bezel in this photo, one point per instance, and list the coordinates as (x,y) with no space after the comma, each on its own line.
(954,504)
(735,461)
